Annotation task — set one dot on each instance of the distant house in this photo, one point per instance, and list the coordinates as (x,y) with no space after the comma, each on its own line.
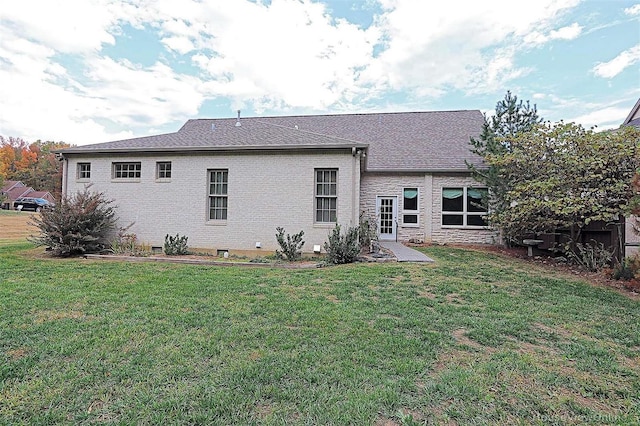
(13,189)
(228,183)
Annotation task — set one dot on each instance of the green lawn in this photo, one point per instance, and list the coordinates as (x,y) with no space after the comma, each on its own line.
(474,339)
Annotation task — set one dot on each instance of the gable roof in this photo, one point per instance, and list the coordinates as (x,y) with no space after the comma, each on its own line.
(18,191)
(633,119)
(10,184)
(405,141)
(40,194)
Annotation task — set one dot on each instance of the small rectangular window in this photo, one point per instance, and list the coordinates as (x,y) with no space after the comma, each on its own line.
(218,194)
(326,195)
(84,171)
(126,170)
(464,207)
(410,202)
(163,170)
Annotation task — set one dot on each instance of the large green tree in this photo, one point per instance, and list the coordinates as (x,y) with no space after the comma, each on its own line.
(561,176)
(511,117)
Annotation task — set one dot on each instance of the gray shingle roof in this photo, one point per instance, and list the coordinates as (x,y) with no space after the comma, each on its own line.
(406,141)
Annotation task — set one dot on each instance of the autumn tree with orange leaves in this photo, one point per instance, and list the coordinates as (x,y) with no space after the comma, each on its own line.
(34,164)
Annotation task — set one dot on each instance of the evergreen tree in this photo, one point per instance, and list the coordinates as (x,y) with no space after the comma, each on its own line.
(511,118)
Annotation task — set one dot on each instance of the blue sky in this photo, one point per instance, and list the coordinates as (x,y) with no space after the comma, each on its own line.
(85,71)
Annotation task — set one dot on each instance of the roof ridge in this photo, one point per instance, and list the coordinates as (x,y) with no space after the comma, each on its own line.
(332,115)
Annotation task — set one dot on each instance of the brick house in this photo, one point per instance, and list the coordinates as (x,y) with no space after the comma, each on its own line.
(228,183)
(14,189)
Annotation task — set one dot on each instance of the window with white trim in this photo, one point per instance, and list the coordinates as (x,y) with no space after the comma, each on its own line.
(218,194)
(163,170)
(464,207)
(326,195)
(84,171)
(410,202)
(130,170)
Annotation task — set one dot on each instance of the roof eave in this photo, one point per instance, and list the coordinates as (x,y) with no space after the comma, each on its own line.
(632,113)
(427,170)
(212,148)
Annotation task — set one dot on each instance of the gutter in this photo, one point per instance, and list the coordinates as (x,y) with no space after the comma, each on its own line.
(465,170)
(230,148)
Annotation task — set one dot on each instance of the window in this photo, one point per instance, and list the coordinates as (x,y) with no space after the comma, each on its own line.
(464,207)
(218,187)
(326,183)
(163,170)
(84,170)
(126,170)
(410,206)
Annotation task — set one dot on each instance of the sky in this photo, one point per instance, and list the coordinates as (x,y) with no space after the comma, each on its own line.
(87,71)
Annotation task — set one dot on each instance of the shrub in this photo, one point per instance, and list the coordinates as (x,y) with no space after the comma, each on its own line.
(77,225)
(367,231)
(291,247)
(628,269)
(342,248)
(124,242)
(175,246)
(622,271)
(592,257)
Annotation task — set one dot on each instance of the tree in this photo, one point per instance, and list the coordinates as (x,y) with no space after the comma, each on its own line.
(34,164)
(511,118)
(562,176)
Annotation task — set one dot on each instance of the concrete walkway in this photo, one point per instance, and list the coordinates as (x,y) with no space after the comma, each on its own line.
(404,253)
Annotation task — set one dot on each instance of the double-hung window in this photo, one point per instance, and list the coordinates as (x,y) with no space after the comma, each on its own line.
(218,194)
(130,170)
(326,195)
(464,207)
(410,206)
(84,171)
(163,170)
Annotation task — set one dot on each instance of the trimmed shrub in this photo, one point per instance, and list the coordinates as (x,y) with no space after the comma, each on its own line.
(342,248)
(291,246)
(78,225)
(175,246)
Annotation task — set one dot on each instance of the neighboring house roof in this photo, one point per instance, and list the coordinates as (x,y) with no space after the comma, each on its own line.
(633,119)
(10,184)
(18,191)
(40,194)
(405,141)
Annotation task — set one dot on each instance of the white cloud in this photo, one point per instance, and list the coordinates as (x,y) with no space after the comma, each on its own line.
(633,10)
(618,64)
(287,53)
(277,56)
(450,46)
(565,33)
(603,118)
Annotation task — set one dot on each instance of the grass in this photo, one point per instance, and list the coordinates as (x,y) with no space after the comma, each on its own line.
(474,339)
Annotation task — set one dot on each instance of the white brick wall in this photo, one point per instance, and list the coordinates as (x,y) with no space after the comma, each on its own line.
(392,185)
(430,202)
(265,190)
(631,237)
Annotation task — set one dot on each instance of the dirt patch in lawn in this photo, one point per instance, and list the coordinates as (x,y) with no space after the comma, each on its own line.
(15,226)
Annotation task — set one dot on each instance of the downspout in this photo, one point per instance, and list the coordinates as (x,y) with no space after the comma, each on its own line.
(354,208)
(65,172)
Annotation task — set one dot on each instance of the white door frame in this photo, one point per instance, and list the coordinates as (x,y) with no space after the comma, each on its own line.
(387,217)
